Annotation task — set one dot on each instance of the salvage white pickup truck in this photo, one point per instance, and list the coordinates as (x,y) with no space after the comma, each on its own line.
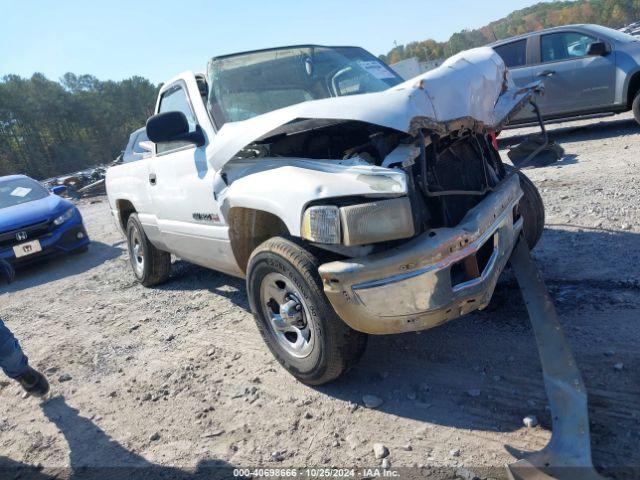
(353,202)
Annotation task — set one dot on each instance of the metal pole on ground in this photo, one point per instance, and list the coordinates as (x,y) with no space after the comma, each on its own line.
(568,453)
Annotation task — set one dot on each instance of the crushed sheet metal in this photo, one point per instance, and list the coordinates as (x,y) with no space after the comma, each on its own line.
(478,79)
(568,453)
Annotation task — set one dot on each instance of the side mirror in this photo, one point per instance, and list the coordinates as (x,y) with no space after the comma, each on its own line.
(173,127)
(59,189)
(598,49)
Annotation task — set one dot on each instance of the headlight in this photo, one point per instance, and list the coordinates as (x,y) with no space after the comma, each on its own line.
(376,222)
(362,224)
(64,217)
(321,224)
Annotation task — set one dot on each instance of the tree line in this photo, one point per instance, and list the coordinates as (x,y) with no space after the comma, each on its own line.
(610,13)
(50,128)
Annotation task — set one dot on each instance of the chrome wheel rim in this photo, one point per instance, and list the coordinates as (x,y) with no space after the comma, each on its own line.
(137,252)
(287,315)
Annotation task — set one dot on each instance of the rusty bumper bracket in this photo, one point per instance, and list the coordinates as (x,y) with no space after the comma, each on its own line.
(568,453)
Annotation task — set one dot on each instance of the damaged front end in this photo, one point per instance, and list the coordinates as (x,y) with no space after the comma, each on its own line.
(403,254)
(438,276)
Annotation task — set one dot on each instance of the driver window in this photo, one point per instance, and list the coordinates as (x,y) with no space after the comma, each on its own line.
(175,100)
(564,46)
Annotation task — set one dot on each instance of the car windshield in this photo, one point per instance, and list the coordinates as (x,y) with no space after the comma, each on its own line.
(20,190)
(250,84)
(613,34)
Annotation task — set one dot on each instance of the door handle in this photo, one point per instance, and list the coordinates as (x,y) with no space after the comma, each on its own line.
(152,178)
(547,73)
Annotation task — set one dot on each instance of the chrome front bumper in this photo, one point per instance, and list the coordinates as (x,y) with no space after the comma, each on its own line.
(438,276)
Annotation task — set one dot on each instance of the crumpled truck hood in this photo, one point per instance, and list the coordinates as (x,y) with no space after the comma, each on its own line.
(470,89)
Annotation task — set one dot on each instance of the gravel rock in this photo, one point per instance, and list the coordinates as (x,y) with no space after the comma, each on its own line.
(530,421)
(154,437)
(380,451)
(65,377)
(371,401)
(474,392)
(385,463)
(455,452)
(277,456)
(352,441)
(407,447)
(618,366)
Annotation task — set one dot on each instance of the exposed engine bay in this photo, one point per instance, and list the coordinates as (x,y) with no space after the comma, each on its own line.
(447,175)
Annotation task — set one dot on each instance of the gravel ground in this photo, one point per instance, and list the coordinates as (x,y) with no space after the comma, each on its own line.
(178,378)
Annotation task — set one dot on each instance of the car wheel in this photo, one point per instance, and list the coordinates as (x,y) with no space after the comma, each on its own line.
(151,265)
(635,107)
(294,316)
(531,209)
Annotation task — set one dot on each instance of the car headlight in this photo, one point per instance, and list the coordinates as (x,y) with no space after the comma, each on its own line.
(376,222)
(64,217)
(372,222)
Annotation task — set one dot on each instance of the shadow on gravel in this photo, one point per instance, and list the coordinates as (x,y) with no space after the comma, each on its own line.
(96,456)
(187,277)
(569,134)
(57,267)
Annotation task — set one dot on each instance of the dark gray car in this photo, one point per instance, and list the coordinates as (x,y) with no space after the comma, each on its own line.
(587,69)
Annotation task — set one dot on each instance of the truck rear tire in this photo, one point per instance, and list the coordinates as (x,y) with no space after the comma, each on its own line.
(635,107)
(150,265)
(294,316)
(531,209)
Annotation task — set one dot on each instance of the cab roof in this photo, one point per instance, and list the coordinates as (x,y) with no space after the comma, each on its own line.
(286,47)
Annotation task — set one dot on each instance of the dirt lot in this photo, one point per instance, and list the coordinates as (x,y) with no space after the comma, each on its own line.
(177,377)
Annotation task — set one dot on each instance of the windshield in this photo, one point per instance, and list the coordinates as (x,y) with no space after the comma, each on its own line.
(250,84)
(613,34)
(20,190)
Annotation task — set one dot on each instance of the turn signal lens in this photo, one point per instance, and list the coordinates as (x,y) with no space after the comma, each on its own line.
(321,224)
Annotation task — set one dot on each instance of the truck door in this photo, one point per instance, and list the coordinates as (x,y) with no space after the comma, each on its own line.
(515,55)
(181,185)
(574,81)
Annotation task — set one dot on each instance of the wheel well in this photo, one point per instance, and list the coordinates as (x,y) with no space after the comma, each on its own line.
(634,87)
(248,228)
(125,209)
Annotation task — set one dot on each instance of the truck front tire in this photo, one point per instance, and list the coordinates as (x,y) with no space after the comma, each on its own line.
(150,265)
(635,107)
(294,316)
(531,209)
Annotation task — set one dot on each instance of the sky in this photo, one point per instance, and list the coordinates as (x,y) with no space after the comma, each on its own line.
(116,39)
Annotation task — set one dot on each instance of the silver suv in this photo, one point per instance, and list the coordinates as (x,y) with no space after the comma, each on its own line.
(587,69)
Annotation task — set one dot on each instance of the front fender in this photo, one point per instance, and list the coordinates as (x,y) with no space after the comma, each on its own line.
(284,187)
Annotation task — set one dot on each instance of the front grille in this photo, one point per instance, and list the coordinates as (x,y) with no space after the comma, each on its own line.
(33,231)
